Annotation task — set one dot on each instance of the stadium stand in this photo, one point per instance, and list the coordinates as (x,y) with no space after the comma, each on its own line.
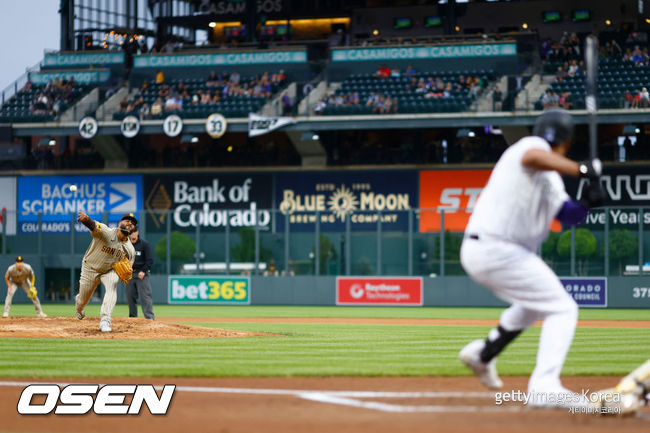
(42,103)
(417,92)
(228,94)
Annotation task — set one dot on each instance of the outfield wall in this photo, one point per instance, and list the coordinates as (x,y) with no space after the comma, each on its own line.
(453,291)
(437,292)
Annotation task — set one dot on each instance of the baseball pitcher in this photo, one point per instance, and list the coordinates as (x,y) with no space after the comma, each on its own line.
(109,258)
(21,274)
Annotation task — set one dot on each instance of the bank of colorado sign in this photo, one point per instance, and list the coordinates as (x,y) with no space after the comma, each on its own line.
(389,291)
(210,201)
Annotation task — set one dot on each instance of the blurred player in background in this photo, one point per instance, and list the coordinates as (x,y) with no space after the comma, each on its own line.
(21,274)
(511,219)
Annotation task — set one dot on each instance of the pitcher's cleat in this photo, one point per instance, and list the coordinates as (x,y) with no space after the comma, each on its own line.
(42,315)
(470,355)
(80,314)
(5,314)
(105,324)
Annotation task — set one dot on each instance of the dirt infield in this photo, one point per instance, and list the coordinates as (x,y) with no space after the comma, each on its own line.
(127,328)
(339,404)
(124,328)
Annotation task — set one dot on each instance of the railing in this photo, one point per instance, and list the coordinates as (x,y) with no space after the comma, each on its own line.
(20,82)
(423,242)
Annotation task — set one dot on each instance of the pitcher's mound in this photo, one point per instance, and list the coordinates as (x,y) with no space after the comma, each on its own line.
(124,328)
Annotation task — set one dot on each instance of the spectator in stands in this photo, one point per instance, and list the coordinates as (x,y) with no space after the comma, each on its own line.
(628,99)
(547,99)
(383,72)
(286,104)
(409,71)
(28,85)
(235,77)
(560,74)
(164,91)
(644,97)
(213,80)
(157,107)
(395,73)
(205,97)
(497,99)
(565,100)
(124,103)
(160,77)
(573,68)
(320,106)
(637,100)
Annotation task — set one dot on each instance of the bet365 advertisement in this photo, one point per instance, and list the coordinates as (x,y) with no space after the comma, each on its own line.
(209,289)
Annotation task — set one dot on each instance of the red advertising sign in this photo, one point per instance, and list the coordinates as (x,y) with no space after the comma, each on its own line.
(378,291)
(455,192)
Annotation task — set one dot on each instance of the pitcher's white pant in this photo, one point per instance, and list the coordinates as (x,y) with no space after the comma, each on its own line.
(11,290)
(89,281)
(521,278)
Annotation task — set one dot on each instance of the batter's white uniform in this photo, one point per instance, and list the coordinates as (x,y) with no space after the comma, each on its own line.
(508,224)
(97,266)
(23,279)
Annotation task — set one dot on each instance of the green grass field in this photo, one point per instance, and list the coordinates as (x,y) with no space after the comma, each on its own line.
(315,349)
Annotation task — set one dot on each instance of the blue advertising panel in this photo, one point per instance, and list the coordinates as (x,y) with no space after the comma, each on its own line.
(587,291)
(52,197)
(364,197)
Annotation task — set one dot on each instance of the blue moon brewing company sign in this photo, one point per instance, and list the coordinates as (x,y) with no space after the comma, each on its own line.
(365,198)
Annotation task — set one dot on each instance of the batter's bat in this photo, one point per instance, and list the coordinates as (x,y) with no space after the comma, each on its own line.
(591,101)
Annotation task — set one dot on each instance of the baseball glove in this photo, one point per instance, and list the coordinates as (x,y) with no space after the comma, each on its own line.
(32,292)
(124,270)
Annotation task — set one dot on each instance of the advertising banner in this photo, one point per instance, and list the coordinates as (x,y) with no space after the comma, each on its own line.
(393,291)
(231,59)
(83,59)
(51,196)
(80,77)
(208,200)
(587,291)
(209,289)
(626,186)
(455,192)
(8,203)
(424,53)
(363,196)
